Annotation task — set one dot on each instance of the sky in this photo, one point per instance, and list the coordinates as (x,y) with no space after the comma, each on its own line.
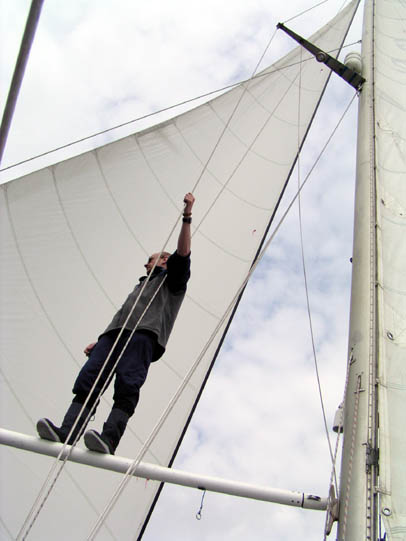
(97,64)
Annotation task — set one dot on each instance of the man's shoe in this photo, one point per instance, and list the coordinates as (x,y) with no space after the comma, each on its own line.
(95,442)
(48,431)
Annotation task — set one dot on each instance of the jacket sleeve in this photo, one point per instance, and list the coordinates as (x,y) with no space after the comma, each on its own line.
(178,272)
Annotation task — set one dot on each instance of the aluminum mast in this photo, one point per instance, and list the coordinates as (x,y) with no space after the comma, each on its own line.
(357,496)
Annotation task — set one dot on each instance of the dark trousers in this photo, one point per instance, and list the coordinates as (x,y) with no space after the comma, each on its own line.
(131,371)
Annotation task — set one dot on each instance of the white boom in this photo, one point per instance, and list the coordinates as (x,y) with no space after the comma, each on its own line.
(167,475)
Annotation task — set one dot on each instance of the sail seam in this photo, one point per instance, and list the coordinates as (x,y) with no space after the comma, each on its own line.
(203,170)
(30,280)
(246,151)
(75,240)
(110,191)
(138,138)
(243,199)
(10,535)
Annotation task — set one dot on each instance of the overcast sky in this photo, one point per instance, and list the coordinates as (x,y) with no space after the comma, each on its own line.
(96,64)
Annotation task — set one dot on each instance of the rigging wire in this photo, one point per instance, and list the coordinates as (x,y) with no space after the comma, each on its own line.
(3,523)
(133,466)
(163,110)
(305,11)
(303,258)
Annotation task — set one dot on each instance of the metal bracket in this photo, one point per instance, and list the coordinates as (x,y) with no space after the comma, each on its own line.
(348,74)
(372,457)
(332,510)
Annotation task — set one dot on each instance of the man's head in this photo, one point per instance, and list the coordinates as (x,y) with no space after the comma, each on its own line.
(160,261)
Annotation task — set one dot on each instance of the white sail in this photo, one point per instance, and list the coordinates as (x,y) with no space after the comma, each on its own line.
(390,95)
(69,231)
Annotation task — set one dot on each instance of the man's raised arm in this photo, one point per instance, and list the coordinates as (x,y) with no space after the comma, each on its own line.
(184,240)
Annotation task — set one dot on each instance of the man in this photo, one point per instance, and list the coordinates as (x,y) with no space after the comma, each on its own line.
(152,318)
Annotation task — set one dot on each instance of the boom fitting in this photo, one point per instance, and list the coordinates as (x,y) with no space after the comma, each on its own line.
(348,74)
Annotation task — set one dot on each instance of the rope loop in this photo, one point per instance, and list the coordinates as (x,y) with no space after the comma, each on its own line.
(199,513)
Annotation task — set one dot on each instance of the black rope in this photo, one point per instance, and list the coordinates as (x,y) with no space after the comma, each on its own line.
(199,513)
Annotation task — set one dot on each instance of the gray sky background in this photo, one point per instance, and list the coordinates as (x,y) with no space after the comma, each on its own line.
(96,64)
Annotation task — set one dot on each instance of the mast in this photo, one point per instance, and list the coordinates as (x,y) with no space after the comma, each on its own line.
(358,498)
(28,38)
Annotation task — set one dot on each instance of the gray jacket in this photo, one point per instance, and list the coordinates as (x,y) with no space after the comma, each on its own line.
(161,314)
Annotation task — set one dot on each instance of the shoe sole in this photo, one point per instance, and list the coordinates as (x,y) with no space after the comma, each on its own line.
(46,432)
(94,442)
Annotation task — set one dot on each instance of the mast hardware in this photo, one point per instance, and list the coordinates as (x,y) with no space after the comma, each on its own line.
(348,74)
(338,423)
(332,510)
(372,457)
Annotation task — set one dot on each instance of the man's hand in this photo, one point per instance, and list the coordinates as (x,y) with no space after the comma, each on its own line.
(184,239)
(188,200)
(89,348)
